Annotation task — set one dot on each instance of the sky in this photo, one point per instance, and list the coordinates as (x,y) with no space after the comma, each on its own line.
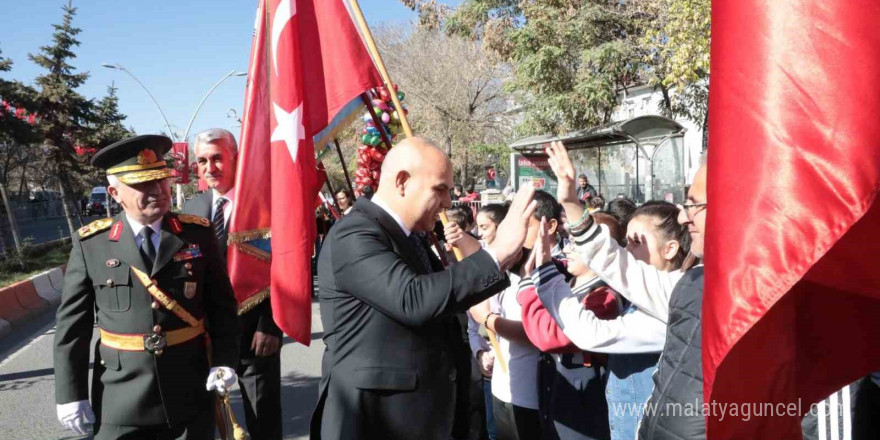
(178,49)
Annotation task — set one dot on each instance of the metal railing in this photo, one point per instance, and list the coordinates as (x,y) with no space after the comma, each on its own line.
(31,211)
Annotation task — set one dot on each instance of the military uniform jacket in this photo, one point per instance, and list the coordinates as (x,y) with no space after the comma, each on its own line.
(137,388)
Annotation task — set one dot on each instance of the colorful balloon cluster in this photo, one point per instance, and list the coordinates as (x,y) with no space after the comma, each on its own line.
(372,151)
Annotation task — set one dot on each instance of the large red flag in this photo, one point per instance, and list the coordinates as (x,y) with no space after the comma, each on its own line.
(792,301)
(307,63)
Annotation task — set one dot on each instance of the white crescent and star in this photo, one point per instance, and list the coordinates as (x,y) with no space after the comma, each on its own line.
(290,128)
(285,11)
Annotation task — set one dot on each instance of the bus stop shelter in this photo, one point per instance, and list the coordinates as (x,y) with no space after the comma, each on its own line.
(642,158)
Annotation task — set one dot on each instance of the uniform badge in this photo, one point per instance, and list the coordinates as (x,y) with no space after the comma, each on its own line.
(188,254)
(189,289)
(113,263)
(176,227)
(116,231)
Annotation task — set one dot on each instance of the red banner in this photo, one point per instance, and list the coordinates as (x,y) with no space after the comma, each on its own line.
(792,293)
(180,155)
(313,57)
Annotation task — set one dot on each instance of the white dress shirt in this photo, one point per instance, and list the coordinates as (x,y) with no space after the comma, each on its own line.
(137,227)
(227,208)
(378,202)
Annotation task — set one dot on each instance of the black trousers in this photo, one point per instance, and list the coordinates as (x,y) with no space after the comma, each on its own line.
(200,428)
(866,423)
(259,379)
(515,422)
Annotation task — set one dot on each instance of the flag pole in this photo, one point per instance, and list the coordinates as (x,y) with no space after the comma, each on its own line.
(344,169)
(374,51)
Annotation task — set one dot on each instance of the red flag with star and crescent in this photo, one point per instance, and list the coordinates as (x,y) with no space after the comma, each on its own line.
(792,287)
(307,63)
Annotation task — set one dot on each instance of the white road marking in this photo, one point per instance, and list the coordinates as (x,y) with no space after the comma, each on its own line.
(47,330)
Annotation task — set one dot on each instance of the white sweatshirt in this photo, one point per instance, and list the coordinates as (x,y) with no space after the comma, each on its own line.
(633,332)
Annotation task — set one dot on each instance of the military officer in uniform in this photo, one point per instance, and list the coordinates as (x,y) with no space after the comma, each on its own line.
(158,289)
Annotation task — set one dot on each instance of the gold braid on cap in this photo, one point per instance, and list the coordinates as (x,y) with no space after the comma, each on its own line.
(127,168)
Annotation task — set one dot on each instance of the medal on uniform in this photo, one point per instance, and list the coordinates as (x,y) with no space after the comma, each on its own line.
(112,263)
(189,289)
(188,253)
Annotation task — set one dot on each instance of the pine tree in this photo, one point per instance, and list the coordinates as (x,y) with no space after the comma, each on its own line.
(65,116)
(108,129)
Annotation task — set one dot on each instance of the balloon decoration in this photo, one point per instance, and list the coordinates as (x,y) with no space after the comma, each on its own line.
(372,151)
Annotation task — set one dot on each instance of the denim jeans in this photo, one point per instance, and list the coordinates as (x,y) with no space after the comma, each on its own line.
(490,417)
(629,386)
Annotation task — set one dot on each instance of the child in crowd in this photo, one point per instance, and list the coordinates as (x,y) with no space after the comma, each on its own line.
(635,339)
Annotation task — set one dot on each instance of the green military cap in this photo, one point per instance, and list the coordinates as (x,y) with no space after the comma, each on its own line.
(136,160)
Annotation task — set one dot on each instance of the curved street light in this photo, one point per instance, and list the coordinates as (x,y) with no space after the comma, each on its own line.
(122,68)
(205,98)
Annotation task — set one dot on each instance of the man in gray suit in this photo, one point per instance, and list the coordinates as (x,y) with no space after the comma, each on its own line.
(259,370)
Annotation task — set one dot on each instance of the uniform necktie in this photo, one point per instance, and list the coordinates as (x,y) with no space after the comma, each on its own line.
(220,220)
(416,240)
(148,251)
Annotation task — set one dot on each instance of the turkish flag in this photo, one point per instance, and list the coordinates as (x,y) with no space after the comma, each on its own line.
(791,311)
(307,62)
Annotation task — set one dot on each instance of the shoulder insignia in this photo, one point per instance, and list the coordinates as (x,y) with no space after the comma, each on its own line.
(194,220)
(95,227)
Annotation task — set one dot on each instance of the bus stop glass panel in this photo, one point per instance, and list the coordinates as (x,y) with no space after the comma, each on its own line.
(668,179)
(612,170)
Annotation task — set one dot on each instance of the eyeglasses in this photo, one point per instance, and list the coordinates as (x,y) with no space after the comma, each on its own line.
(692,209)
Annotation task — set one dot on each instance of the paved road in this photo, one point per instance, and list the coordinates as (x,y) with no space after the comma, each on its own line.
(27,386)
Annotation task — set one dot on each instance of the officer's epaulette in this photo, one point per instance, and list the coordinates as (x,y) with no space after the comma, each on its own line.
(95,227)
(194,219)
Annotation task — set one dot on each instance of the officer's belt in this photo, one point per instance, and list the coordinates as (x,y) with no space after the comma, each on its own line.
(164,299)
(130,342)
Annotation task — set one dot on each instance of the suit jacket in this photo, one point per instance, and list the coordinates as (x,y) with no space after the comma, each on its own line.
(258,318)
(136,387)
(388,371)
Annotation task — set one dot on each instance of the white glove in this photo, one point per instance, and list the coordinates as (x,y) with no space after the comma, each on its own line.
(75,415)
(221,379)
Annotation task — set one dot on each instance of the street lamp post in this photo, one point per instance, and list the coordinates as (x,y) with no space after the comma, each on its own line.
(122,68)
(205,98)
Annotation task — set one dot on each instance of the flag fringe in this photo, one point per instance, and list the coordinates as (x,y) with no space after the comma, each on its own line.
(254,251)
(248,304)
(245,236)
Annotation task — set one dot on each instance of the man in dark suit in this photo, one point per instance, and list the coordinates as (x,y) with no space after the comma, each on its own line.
(387,307)
(259,370)
(155,283)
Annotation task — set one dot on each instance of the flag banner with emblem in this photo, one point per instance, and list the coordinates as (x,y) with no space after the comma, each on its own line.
(307,64)
(792,294)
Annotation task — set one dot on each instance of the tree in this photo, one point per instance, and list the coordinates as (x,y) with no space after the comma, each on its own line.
(569,58)
(678,46)
(107,129)
(454,93)
(65,115)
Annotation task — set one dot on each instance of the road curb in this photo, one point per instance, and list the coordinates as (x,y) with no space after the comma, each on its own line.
(29,299)
(49,284)
(5,328)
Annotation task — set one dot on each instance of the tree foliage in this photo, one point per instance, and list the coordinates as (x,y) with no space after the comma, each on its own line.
(570,58)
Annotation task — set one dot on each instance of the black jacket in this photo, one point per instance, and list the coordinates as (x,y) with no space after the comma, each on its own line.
(675,406)
(260,317)
(388,371)
(136,388)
